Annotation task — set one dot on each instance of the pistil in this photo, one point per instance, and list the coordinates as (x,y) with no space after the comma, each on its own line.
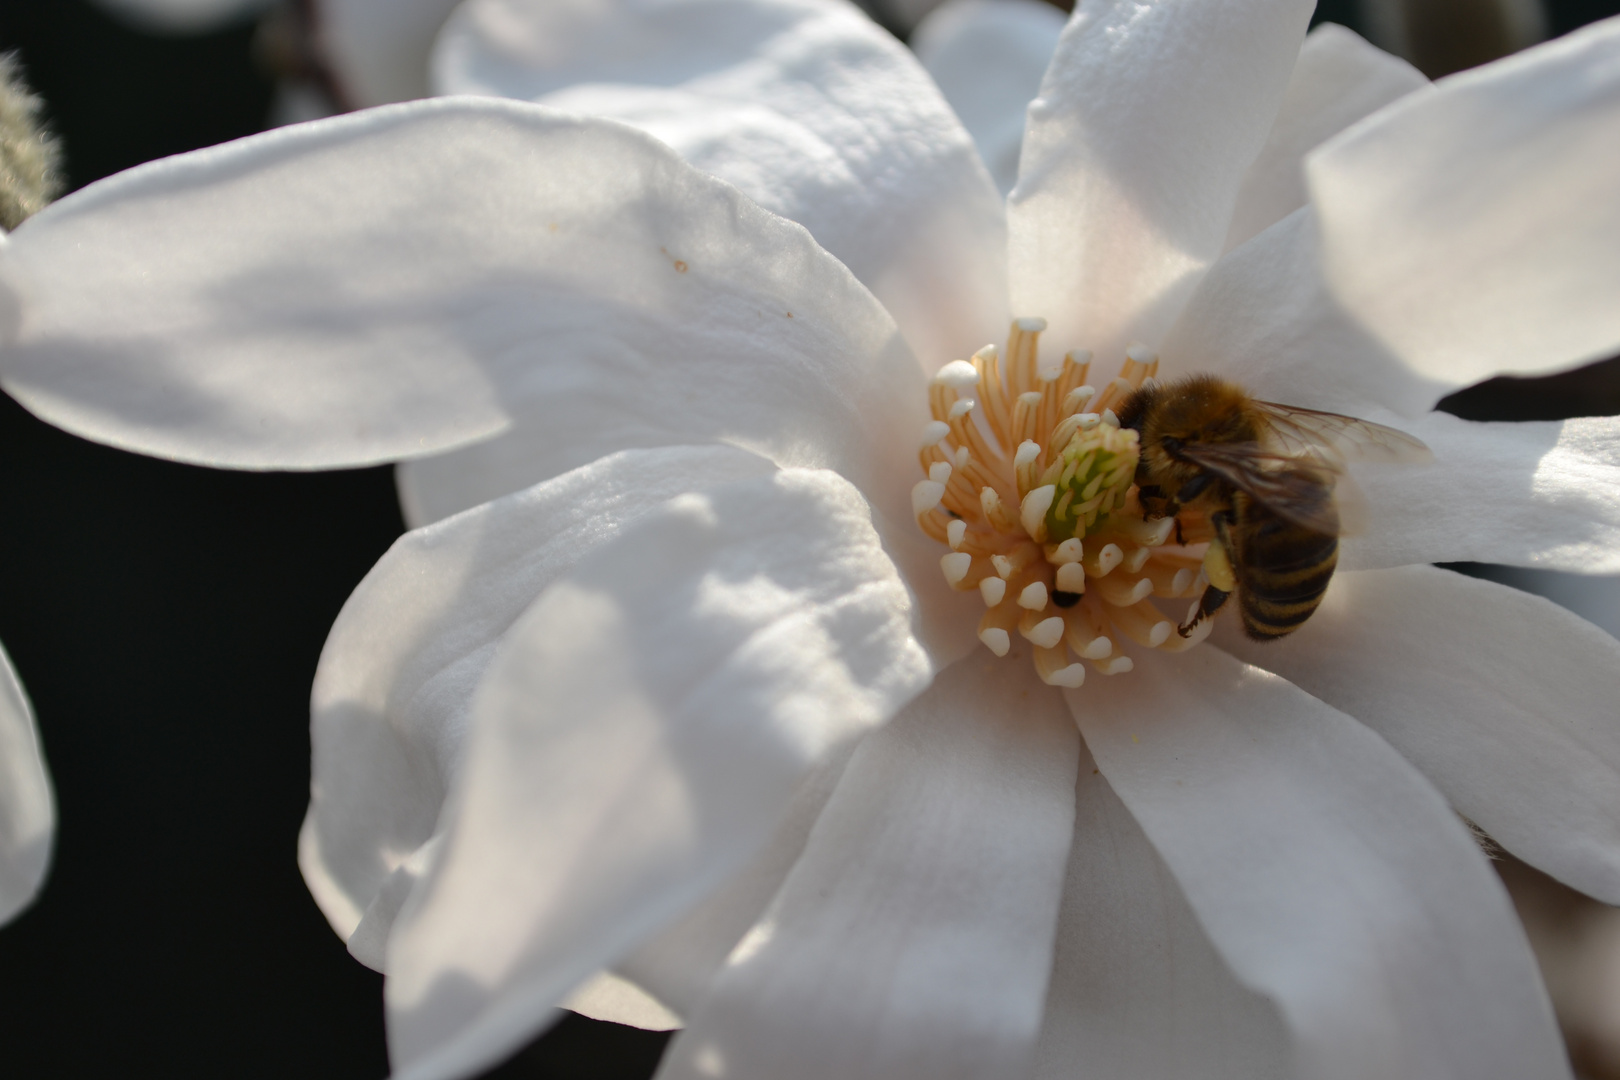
(1030,485)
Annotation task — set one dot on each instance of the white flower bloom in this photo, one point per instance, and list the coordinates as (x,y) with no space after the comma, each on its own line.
(694,701)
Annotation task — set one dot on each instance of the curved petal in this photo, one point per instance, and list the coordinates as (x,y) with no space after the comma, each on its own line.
(641,730)
(988,57)
(807,106)
(1149,117)
(27,810)
(914,936)
(396,678)
(1263,317)
(180,16)
(679,965)
(1528,493)
(261,305)
(1137,989)
(1338,79)
(1506,702)
(1474,228)
(617,1000)
(1327,872)
(1595,598)
(377,50)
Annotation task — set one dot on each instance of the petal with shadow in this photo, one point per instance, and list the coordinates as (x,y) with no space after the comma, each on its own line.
(1473,228)
(989,57)
(640,732)
(1328,873)
(1146,123)
(913,938)
(1526,493)
(396,678)
(1505,700)
(1338,80)
(809,107)
(1137,989)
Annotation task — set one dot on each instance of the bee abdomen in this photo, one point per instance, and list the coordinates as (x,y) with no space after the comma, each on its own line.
(1284,572)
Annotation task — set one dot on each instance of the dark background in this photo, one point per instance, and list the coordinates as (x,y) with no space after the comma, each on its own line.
(166,622)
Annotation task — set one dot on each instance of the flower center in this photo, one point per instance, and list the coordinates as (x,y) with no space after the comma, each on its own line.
(1031,485)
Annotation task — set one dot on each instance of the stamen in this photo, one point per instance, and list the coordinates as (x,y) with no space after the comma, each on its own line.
(1071,578)
(993,589)
(1030,486)
(1143,623)
(1054,668)
(1032,513)
(925,495)
(1114,665)
(1122,591)
(1045,633)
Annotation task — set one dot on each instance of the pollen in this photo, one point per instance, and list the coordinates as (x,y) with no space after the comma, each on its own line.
(1029,484)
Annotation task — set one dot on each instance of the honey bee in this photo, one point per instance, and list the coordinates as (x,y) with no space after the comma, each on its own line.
(1264,474)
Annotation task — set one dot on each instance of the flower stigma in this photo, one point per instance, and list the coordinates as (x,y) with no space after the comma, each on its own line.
(1031,485)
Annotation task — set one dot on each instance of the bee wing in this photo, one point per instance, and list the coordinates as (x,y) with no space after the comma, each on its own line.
(1296,487)
(1335,439)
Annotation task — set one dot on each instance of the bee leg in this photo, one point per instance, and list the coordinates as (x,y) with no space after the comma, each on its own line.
(1207,605)
(1193,488)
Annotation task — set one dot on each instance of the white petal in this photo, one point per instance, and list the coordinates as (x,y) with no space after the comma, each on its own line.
(988,57)
(806,105)
(1338,79)
(914,937)
(680,964)
(396,679)
(377,50)
(27,811)
(181,16)
(1137,989)
(1531,493)
(298,299)
(1147,121)
(1594,598)
(619,1001)
(1264,318)
(1327,872)
(1505,701)
(637,737)
(1474,227)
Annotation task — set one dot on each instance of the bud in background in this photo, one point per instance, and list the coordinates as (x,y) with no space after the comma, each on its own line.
(30,162)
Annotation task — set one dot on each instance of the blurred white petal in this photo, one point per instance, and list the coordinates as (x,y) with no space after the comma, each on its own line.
(27,810)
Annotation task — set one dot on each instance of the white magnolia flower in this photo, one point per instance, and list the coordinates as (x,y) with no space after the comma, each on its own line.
(694,701)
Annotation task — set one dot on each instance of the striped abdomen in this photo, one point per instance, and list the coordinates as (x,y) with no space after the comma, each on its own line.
(1282,569)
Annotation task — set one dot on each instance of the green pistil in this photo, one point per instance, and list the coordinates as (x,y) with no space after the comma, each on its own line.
(1093,474)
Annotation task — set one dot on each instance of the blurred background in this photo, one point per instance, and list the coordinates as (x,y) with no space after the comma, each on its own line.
(166,621)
